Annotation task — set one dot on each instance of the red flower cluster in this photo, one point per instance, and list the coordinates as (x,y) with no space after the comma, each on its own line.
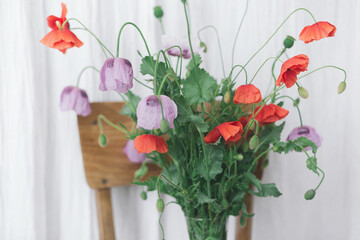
(60,37)
(291,68)
(269,114)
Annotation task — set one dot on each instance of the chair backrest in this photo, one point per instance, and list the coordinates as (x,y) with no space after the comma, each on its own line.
(108,167)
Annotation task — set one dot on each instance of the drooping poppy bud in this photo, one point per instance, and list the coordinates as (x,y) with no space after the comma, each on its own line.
(341,87)
(303,92)
(254,142)
(102,140)
(116,74)
(305,131)
(291,68)
(143,195)
(73,98)
(317,31)
(239,157)
(169,41)
(289,41)
(247,94)
(158,12)
(132,154)
(310,194)
(160,205)
(203,46)
(227,97)
(149,113)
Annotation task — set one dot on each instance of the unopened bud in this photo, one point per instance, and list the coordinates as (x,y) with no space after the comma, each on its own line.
(275,148)
(341,87)
(239,157)
(102,140)
(164,126)
(171,73)
(158,12)
(143,195)
(160,205)
(289,41)
(203,46)
(252,125)
(310,194)
(254,141)
(227,96)
(303,92)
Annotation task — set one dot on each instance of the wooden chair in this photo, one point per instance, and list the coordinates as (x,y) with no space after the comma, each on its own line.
(109,167)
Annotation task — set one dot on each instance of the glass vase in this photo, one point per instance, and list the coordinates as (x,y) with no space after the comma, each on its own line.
(207,229)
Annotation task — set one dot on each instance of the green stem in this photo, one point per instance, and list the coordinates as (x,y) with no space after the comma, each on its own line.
(257,158)
(162,26)
(299,9)
(130,103)
(272,70)
(138,29)
(143,83)
(101,44)
(102,48)
(296,105)
(327,66)
(219,45)
(102,117)
(171,183)
(243,68)
(181,58)
(82,71)
(263,65)
(237,33)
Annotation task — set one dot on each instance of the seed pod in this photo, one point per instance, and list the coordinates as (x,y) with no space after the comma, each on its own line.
(254,141)
(102,140)
(239,157)
(160,205)
(289,41)
(227,97)
(303,92)
(341,87)
(310,194)
(164,126)
(158,12)
(143,195)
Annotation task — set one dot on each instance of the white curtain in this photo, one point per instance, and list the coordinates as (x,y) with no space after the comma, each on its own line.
(43,191)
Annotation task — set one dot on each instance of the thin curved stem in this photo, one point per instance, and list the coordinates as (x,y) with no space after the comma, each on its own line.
(138,29)
(296,105)
(102,48)
(237,33)
(181,58)
(219,45)
(327,66)
(102,117)
(82,71)
(243,68)
(272,35)
(143,84)
(103,45)
(262,66)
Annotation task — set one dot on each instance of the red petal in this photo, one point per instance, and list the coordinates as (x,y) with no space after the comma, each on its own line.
(148,143)
(63,10)
(247,94)
(212,136)
(230,129)
(317,31)
(289,78)
(51,20)
(295,65)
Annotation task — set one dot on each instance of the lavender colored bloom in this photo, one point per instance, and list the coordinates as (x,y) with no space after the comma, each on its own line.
(73,98)
(116,74)
(308,132)
(168,41)
(132,153)
(149,112)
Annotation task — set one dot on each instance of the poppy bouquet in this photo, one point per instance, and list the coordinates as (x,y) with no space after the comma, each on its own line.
(208,136)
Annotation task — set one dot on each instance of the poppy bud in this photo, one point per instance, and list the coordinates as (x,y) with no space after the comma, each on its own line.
(252,125)
(187,74)
(310,194)
(341,87)
(227,97)
(275,148)
(303,92)
(289,41)
(158,12)
(157,131)
(102,140)
(254,141)
(239,157)
(203,45)
(164,126)
(143,195)
(160,205)
(172,74)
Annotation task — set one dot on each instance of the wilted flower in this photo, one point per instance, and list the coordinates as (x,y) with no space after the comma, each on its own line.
(291,68)
(230,131)
(168,41)
(308,132)
(73,98)
(132,153)
(247,94)
(148,143)
(149,112)
(60,38)
(269,114)
(116,74)
(317,31)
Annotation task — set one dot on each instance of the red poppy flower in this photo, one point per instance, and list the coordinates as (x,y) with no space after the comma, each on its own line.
(269,114)
(230,131)
(60,38)
(247,94)
(291,68)
(317,31)
(148,143)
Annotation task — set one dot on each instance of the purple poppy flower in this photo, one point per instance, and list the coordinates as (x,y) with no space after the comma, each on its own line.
(308,132)
(116,74)
(73,98)
(168,41)
(149,112)
(132,153)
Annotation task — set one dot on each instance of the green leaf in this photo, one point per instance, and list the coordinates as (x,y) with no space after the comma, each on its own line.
(253,179)
(203,198)
(199,87)
(270,190)
(199,122)
(245,212)
(271,134)
(311,164)
(129,108)
(147,66)
(296,145)
(211,166)
(242,220)
(198,61)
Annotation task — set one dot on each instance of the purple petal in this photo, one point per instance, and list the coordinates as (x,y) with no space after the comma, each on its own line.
(149,112)
(73,98)
(132,153)
(308,132)
(116,74)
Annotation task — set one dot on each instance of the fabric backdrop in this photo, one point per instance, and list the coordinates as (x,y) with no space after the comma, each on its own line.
(43,191)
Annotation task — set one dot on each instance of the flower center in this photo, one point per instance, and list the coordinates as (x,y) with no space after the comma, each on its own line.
(152,101)
(110,63)
(303,131)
